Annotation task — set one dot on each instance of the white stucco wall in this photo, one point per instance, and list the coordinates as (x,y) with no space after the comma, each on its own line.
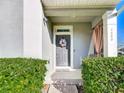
(37,34)
(11,28)
(32,31)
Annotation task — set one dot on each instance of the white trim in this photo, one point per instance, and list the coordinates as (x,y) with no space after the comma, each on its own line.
(54,42)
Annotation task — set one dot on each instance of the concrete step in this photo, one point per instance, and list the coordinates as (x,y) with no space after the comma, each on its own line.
(67,75)
(68,81)
(62,88)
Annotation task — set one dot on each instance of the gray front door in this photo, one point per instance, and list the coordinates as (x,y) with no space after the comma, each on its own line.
(63,50)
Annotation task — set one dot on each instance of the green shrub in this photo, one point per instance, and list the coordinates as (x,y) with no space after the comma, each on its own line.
(21,75)
(103,75)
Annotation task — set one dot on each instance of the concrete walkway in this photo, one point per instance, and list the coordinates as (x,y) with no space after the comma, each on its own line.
(63,89)
(59,88)
(65,82)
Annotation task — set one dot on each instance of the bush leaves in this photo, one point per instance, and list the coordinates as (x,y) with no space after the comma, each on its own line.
(21,75)
(103,75)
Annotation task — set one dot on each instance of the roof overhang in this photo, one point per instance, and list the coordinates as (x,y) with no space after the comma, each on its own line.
(76,10)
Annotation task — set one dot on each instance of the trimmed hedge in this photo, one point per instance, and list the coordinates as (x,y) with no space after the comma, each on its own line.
(103,75)
(21,75)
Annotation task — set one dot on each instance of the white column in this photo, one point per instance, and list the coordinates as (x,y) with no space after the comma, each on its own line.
(32,28)
(110,33)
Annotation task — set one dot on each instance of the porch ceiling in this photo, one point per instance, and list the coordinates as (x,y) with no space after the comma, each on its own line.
(79,3)
(76,10)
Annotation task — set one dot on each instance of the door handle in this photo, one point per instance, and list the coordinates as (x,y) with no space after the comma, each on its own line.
(74,50)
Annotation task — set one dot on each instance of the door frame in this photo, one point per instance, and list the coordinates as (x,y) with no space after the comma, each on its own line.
(70,27)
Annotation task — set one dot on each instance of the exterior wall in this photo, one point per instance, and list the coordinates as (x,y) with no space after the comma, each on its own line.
(21,28)
(47,48)
(47,40)
(91,48)
(37,34)
(110,33)
(11,28)
(32,31)
(82,36)
(81,41)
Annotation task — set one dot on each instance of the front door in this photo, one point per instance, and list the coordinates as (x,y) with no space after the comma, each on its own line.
(63,43)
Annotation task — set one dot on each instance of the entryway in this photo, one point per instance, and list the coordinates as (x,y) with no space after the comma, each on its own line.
(63,50)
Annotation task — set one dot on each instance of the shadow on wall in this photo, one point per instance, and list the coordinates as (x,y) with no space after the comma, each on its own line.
(49,29)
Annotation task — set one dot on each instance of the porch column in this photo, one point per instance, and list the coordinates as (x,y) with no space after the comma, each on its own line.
(32,28)
(110,33)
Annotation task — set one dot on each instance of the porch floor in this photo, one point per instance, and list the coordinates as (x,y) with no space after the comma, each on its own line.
(67,77)
(67,74)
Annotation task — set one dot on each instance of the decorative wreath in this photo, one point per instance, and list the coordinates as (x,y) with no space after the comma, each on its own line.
(62,42)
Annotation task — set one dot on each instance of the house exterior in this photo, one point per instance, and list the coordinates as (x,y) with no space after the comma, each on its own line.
(60,31)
